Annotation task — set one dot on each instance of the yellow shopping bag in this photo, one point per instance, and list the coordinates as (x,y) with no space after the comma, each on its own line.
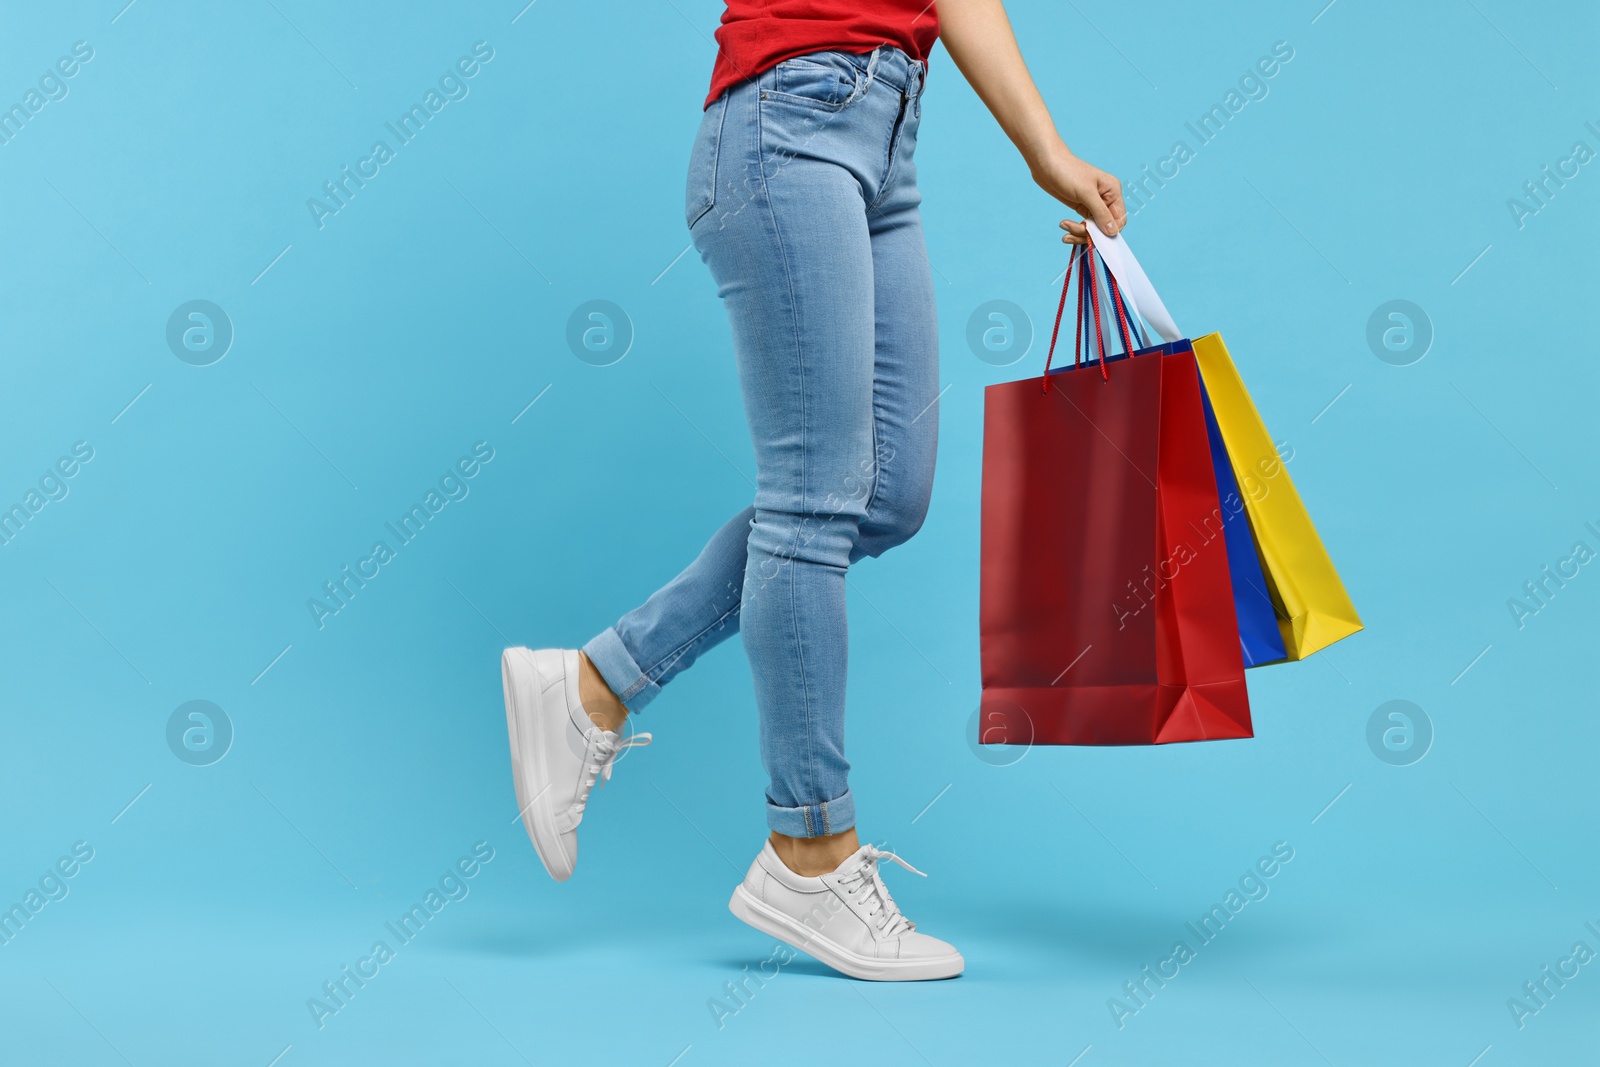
(1313,609)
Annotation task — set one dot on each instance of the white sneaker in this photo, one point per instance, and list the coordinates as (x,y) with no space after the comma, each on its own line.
(557,751)
(845,919)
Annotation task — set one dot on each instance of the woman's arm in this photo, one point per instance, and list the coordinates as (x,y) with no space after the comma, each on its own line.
(978,35)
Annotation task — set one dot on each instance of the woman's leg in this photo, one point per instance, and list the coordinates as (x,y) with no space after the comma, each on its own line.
(795,271)
(838,368)
(808,220)
(905,393)
(696,611)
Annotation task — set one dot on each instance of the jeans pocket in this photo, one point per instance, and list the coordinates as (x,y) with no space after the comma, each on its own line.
(701,191)
(823,81)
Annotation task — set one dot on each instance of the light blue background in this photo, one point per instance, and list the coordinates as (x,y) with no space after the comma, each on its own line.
(425,317)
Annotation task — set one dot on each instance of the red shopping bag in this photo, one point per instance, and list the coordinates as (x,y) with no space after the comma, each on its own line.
(1106,607)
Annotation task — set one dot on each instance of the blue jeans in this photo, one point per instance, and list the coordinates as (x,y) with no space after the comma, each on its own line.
(802,200)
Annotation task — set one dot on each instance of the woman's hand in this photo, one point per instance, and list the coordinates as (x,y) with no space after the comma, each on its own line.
(1088,190)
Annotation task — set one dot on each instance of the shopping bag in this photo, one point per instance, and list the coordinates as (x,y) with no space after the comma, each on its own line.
(1312,606)
(1106,610)
(1260,640)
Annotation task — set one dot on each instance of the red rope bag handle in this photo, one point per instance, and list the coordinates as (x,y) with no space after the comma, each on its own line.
(1066,285)
(1087,278)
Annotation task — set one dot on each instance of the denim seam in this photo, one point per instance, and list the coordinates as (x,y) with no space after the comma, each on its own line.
(877,473)
(809,820)
(721,103)
(794,315)
(889,153)
(806,102)
(665,662)
(800,649)
(716,151)
(877,470)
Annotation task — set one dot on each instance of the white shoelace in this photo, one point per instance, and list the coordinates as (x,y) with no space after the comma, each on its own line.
(865,878)
(604,747)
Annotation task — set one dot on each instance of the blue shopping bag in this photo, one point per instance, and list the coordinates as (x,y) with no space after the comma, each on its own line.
(1260,638)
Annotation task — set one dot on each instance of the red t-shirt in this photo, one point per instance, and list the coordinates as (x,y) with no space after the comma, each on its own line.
(756,35)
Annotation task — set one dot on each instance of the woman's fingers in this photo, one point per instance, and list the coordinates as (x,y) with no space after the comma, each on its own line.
(1111,194)
(1106,208)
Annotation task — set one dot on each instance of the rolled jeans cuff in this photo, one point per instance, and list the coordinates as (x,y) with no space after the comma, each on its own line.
(617,666)
(814,820)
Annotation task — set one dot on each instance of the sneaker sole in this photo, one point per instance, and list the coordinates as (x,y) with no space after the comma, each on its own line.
(527,750)
(769,920)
